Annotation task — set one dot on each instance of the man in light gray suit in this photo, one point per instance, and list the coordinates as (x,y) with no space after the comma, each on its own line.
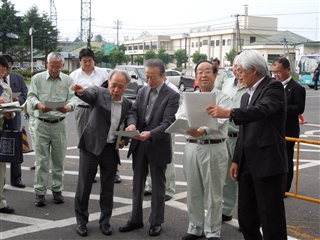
(99,146)
(152,113)
(17,85)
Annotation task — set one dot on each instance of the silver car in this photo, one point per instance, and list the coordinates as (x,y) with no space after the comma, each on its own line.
(173,76)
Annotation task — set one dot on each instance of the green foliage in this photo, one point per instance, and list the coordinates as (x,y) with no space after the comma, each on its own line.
(150,54)
(197,57)
(105,59)
(98,57)
(122,48)
(138,60)
(98,38)
(65,71)
(230,55)
(181,57)
(117,57)
(165,57)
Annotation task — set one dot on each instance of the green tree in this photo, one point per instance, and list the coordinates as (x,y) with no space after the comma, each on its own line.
(10,26)
(138,59)
(105,59)
(98,57)
(117,57)
(98,38)
(122,48)
(230,55)
(197,56)
(181,57)
(150,54)
(165,57)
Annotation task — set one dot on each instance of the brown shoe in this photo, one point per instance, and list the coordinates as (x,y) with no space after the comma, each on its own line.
(40,200)
(32,168)
(57,197)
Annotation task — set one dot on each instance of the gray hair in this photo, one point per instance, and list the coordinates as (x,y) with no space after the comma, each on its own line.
(250,59)
(156,63)
(123,72)
(55,56)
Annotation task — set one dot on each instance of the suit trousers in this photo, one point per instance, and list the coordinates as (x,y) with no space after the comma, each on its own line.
(15,168)
(140,165)
(170,175)
(261,203)
(290,153)
(108,161)
(3,201)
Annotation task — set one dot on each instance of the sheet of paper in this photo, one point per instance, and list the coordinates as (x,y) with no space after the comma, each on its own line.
(11,107)
(15,94)
(179,126)
(196,103)
(127,133)
(54,105)
(10,104)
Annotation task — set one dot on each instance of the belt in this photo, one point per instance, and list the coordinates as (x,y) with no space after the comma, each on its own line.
(51,121)
(83,106)
(231,134)
(205,141)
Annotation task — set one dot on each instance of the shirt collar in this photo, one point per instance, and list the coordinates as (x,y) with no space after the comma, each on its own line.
(285,82)
(254,87)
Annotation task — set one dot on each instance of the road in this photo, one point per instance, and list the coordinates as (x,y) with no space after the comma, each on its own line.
(58,221)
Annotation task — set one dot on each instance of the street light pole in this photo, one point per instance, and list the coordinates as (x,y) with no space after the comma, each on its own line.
(31,33)
(185,35)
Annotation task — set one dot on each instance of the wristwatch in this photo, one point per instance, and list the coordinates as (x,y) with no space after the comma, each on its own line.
(232,115)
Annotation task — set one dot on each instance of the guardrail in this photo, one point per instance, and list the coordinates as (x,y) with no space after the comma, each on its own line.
(296,194)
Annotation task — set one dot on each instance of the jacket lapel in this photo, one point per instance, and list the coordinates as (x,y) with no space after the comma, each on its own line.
(161,96)
(259,89)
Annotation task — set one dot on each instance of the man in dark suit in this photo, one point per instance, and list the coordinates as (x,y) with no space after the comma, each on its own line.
(260,160)
(17,85)
(99,146)
(296,98)
(152,113)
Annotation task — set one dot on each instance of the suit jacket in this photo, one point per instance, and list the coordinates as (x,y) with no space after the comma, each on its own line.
(17,84)
(95,134)
(296,98)
(262,130)
(158,147)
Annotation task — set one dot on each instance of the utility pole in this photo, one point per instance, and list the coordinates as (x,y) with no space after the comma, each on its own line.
(285,52)
(118,26)
(239,44)
(85,32)
(53,13)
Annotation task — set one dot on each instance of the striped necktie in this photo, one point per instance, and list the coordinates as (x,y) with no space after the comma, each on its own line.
(5,80)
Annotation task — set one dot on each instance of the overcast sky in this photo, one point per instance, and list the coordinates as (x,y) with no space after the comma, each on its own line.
(174,16)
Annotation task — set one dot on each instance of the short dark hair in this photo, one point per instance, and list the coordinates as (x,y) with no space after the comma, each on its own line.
(3,62)
(156,63)
(214,68)
(8,58)
(283,61)
(86,52)
(216,60)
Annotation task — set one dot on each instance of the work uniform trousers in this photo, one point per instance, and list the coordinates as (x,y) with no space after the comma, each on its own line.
(170,175)
(140,165)
(230,188)
(82,117)
(261,204)
(205,168)
(108,162)
(3,201)
(50,143)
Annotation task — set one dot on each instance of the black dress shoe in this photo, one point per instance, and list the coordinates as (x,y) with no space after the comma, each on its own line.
(167,197)
(129,226)
(226,218)
(155,230)
(146,193)
(106,229)
(189,236)
(7,209)
(213,238)
(94,180)
(82,230)
(117,179)
(19,185)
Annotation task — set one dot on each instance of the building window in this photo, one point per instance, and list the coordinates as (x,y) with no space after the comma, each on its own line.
(212,43)
(223,42)
(217,43)
(192,44)
(154,45)
(196,44)
(229,42)
(200,44)
(135,47)
(252,39)
(140,47)
(130,47)
(205,42)
(147,45)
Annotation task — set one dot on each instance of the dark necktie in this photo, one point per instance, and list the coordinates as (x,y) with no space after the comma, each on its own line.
(235,83)
(151,101)
(1,89)
(5,80)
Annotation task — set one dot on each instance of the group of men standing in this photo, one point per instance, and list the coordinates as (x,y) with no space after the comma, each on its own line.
(254,114)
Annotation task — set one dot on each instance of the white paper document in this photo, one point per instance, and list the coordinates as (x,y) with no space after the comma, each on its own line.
(179,126)
(54,105)
(127,133)
(15,94)
(196,103)
(11,107)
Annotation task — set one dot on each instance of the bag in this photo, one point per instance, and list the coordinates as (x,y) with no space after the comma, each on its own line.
(10,143)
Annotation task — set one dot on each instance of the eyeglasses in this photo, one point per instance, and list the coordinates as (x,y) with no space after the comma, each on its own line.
(55,68)
(277,72)
(207,72)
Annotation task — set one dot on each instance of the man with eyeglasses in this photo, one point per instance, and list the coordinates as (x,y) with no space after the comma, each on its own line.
(205,162)
(296,98)
(50,126)
(17,85)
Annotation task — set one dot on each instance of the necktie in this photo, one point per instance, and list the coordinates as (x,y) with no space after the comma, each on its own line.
(235,83)
(151,101)
(1,89)
(5,80)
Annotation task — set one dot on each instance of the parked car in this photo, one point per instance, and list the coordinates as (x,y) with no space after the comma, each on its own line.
(138,79)
(173,76)
(187,79)
(108,69)
(228,72)
(38,68)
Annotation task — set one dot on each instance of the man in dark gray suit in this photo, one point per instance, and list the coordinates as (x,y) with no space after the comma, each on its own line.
(17,85)
(99,146)
(152,113)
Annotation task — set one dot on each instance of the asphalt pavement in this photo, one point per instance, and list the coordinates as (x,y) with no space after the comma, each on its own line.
(57,221)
